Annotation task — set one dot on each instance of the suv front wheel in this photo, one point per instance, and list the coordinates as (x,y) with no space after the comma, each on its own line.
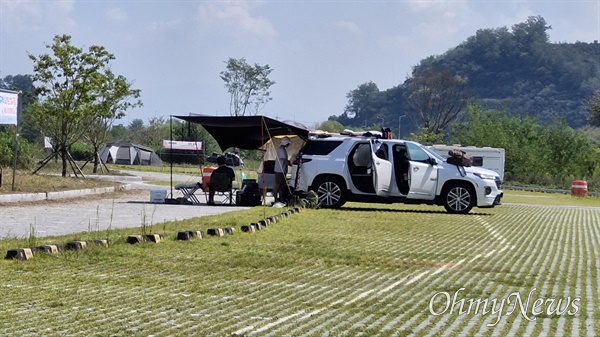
(459,198)
(331,191)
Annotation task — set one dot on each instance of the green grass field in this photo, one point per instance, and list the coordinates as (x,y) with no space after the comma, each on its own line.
(363,270)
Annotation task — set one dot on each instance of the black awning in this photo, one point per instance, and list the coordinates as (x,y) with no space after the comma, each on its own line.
(245,132)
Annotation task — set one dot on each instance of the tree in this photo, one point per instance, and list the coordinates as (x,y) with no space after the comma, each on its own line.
(136,125)
(437,98)
(248,86)
(73,87)
(364,105)
(117,97)
(331,126)
(534,152)
(593,107)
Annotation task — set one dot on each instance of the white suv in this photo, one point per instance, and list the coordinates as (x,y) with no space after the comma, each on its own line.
(370,169)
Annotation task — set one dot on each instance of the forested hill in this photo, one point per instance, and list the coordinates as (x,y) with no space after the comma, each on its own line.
(518,69)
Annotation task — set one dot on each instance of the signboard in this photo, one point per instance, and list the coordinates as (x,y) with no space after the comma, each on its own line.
(180,145)
(48,143)
(8,107)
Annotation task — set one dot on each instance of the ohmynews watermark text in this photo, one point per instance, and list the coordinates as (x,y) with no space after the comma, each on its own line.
(445,303)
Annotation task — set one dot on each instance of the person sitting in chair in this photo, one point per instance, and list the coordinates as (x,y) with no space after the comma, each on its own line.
(221,169)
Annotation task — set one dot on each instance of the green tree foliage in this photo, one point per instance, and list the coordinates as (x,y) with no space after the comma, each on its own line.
(331,126)
(514,68)
(437,98)
(426,137)
(115,99)
(364,104)
(72,87)
(117,132)
(593,106)
(25,159)
(136,125)
(518,69)
(534,152)
(247,85)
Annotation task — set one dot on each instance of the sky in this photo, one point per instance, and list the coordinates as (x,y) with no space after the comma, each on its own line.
(175,50)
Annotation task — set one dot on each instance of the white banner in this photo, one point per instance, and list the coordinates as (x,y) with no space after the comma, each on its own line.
(8,108)
(179,145)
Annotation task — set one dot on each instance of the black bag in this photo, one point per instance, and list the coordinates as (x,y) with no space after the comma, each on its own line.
(250,194)
(459,158)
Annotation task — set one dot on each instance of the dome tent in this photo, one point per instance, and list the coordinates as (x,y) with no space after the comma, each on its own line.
(124,152)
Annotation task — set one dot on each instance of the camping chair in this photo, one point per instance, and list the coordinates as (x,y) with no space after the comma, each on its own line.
(188,191)
(220,183)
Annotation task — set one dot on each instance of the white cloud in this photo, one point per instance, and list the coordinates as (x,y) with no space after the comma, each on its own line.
(234,19)
(422,5)
(440,19)
(161,26)
(349,26)
(116,14)
(22,15)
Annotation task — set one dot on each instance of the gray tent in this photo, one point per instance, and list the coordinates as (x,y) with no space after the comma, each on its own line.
(124,152)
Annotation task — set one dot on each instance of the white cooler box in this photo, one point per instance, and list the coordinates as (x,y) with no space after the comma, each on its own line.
(158,196)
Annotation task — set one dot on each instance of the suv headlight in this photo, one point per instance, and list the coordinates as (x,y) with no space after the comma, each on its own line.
(485,176)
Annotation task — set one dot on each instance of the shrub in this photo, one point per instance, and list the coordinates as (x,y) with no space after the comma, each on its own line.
(25,158)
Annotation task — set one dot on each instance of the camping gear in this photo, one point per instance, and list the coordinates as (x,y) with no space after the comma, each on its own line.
(231,159)
(459,158)
(245,132)
(250,194)
(124,152)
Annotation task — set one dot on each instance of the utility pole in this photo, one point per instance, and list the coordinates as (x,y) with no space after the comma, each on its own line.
(382,121)
(400,124)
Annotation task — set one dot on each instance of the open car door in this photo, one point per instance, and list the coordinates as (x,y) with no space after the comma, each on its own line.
(422,174)
(382,170)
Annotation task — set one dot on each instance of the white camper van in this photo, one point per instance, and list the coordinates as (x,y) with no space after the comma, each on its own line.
(490,158)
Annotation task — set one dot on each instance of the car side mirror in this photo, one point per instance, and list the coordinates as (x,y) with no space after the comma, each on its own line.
(431,161)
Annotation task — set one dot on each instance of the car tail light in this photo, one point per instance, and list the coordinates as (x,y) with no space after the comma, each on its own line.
(298,161)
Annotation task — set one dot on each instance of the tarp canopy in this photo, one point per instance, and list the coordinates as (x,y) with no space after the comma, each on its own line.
(245,132)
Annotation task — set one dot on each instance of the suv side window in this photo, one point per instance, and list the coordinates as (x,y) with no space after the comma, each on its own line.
(360,165)
(361,156)
(415,153)
(320,147)
(382,152)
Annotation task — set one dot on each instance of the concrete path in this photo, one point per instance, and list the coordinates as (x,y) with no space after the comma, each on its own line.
(97,213)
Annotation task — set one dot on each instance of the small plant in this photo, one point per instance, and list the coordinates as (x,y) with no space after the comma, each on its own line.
(32,239)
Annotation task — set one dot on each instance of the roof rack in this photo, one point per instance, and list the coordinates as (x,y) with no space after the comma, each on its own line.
(347,132)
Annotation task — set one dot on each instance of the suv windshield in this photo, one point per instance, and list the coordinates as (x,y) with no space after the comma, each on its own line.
(430,152)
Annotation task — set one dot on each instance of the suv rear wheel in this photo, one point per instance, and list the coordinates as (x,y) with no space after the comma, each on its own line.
(331,191)
(459,198)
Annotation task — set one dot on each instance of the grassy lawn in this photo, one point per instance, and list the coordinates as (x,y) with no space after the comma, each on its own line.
(48,180)
(363,270)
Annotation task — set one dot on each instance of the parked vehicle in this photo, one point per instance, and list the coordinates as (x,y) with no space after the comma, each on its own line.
(371,169)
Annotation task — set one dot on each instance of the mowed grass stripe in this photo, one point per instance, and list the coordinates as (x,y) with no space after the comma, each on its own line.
(541,259)
(498,259)
(415,306)
(494,243)
(589,281)
(593,311)
(337,299)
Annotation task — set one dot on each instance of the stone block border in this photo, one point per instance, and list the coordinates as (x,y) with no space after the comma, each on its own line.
(24,254)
